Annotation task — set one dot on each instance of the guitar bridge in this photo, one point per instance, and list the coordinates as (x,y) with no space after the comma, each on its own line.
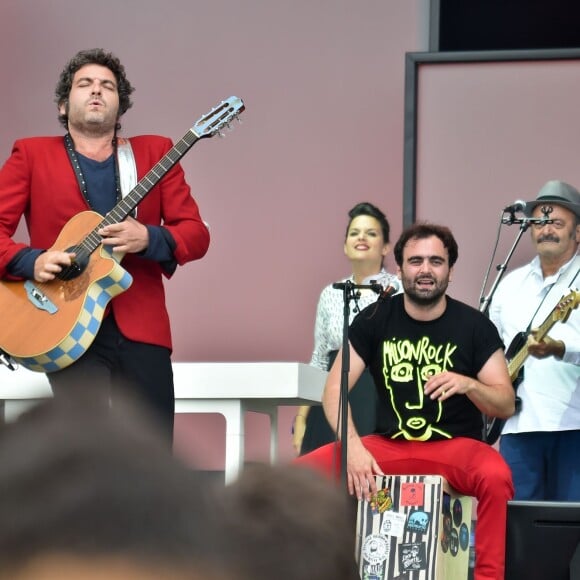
(39,298)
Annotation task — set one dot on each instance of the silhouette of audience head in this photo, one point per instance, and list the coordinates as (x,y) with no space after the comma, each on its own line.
(89,491)
(289,523)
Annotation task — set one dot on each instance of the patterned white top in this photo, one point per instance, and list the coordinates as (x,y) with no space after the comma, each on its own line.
(330,313)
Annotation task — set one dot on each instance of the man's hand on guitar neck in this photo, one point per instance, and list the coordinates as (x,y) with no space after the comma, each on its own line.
(128,236)
(50,263)
(545,347)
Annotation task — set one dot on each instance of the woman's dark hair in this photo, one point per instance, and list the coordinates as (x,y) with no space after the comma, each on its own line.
(371,210)
(100,57)
(422,230)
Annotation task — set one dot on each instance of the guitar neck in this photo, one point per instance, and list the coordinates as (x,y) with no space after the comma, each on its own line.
(517,361)
(207,126)
(145,185)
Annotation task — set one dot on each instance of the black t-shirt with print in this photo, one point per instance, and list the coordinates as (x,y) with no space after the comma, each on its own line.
(402,353)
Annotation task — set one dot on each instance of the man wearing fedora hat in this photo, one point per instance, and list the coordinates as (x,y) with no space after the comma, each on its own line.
(541,441)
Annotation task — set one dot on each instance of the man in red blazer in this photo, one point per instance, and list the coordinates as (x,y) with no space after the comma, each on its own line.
(51,179)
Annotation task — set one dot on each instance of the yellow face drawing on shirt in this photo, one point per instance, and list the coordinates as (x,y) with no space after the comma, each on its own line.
(407,366)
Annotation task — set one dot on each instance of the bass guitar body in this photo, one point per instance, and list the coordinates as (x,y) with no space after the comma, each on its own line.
(494,425)
(518,352)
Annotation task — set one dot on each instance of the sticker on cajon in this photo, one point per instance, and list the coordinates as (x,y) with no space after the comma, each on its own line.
(417,528)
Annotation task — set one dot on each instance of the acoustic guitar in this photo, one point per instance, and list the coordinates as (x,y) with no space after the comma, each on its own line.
(518,352)
(47,326)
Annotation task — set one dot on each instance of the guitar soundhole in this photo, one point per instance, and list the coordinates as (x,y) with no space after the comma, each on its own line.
(77,267)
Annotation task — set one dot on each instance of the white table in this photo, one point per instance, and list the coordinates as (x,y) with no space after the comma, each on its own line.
(229,389)
(20,389)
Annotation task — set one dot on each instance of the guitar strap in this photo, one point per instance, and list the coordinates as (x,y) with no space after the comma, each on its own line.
(127,168)
(569,285)
(574,277)
(529,328)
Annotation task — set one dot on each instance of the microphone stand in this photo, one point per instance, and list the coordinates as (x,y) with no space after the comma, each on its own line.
(524,224)
(350,290)
(502,268)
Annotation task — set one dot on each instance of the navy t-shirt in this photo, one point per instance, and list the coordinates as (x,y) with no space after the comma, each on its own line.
(402,353)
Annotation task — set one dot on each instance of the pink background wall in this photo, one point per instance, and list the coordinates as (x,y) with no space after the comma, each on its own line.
(490,133)
(323,81)
(323,84)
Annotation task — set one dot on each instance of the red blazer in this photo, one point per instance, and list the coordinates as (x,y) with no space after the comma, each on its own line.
(38,181)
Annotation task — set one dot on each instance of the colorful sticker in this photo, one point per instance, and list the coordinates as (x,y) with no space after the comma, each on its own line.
(375,549)
(373,571)
(464,537)
(412,557)
(454,542)
(447,524)
(418,522)
(457,512)
(393,524)
(412,494)
(381,502)
(446,509)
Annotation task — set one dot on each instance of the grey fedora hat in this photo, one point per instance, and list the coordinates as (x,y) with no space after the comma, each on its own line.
(558,193)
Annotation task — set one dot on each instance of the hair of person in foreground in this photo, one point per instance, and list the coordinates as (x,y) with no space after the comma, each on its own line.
(89,491)
(288,522)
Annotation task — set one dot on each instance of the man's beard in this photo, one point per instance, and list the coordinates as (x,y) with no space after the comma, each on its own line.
(425,298)
(91,124)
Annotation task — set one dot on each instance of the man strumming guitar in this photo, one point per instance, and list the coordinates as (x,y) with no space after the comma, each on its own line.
(48,180)
(541,441)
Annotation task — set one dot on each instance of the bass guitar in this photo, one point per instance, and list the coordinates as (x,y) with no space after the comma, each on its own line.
(48,326)
(518,352)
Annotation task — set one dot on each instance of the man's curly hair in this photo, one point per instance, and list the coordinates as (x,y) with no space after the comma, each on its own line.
(100,57)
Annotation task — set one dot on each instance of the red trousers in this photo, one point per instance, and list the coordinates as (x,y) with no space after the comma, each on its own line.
(471,467)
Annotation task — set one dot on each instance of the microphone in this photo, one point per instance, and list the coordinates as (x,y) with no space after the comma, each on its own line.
(384,285)
(391,289)
(367,284)
(517,205)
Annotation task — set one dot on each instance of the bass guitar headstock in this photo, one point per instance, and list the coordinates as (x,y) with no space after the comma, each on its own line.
(568,303)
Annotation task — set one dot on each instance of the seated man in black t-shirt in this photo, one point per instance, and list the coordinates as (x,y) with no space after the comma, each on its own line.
(438,365)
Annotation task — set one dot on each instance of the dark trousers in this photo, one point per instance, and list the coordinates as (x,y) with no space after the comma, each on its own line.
(122,367)
(545,465)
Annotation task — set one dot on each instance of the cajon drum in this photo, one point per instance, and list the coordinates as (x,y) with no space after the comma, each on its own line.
(417,528)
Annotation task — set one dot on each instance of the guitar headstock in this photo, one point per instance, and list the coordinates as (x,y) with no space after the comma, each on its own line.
(566,305)
(219,117)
